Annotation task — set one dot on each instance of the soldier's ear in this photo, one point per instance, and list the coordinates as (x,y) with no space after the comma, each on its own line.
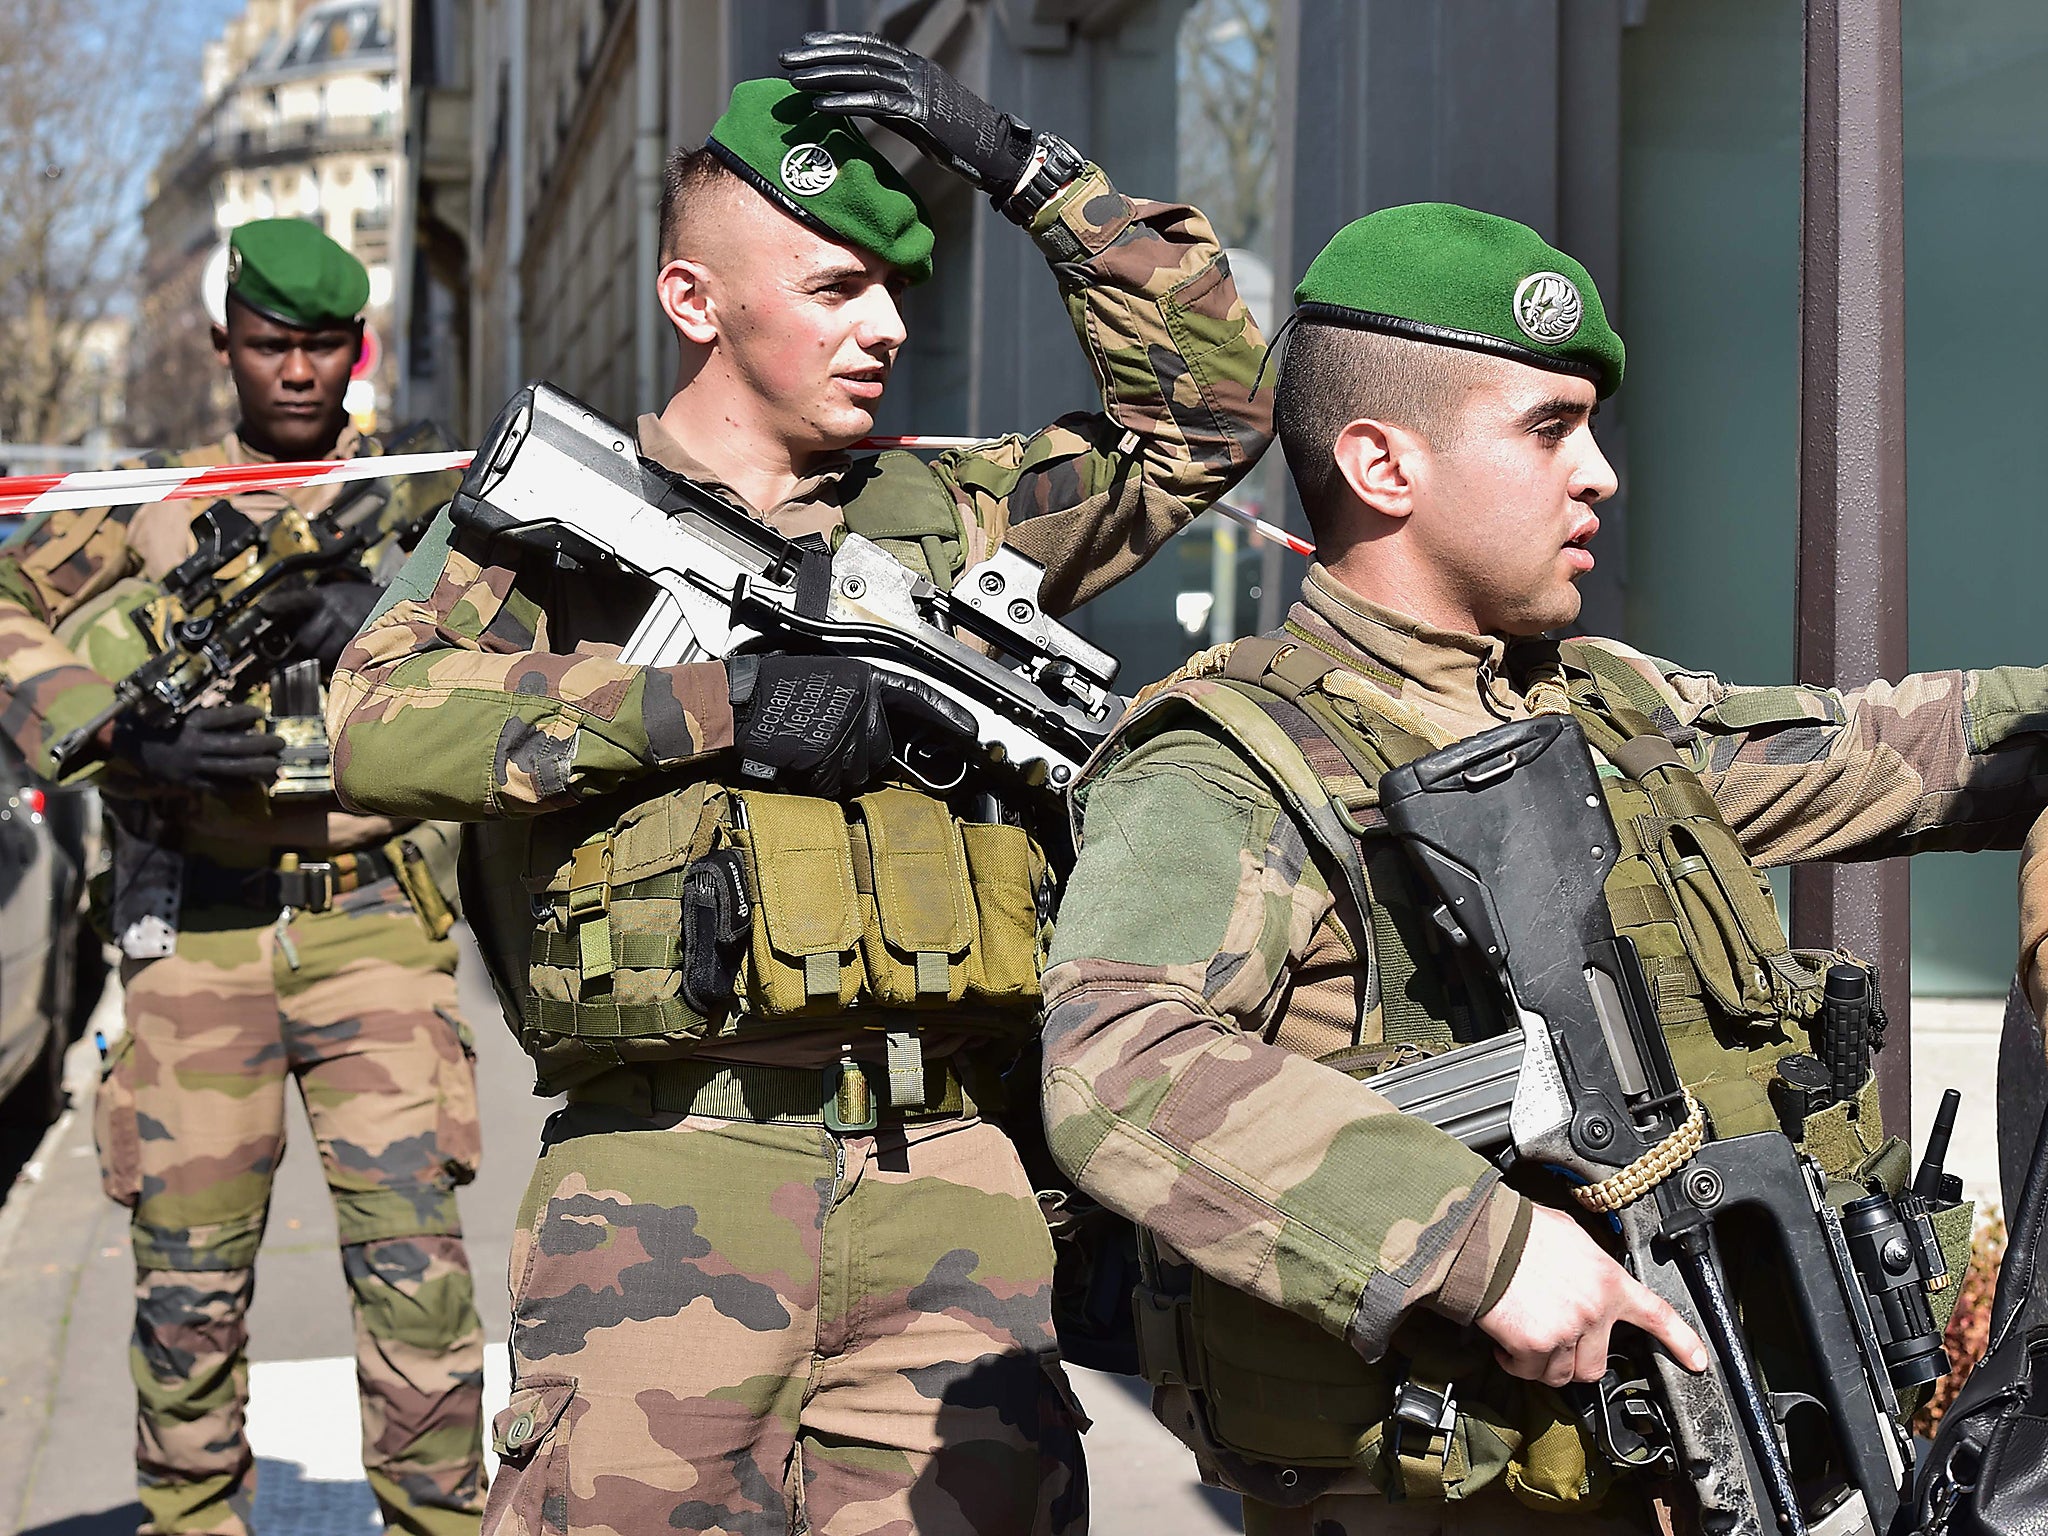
(684,288)
(220,341)
(1378,463)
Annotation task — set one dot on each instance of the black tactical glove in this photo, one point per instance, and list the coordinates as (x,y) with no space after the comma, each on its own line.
(821,725)
(869,77)
(322,620)
(212,749)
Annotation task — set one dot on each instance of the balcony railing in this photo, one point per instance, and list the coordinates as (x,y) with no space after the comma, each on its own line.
(270,141)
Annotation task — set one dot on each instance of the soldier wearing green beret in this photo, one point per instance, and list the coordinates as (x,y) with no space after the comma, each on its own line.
(264,939)
(764,1282)
(1352,1318)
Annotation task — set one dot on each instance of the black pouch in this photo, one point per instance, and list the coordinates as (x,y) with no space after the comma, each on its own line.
(715,916)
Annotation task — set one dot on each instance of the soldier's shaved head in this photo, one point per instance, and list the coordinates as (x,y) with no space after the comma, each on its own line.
(696,189)
(1334,375)
(786,334)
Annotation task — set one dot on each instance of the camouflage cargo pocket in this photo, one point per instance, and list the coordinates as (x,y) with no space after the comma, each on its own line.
(113,1125)
(530,1437)
(459,1130)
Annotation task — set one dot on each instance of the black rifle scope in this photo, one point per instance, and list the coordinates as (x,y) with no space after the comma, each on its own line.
(1888,1264)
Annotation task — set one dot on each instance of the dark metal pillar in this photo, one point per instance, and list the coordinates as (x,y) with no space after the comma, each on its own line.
(1851,599)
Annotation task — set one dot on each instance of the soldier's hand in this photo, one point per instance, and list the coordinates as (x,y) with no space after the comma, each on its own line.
(1553,1322)
(821,725)
(214,749)
(906,92)
(322,620)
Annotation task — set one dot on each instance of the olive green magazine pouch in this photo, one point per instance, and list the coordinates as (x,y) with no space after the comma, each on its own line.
(1006,870)
(918,914)
(804,952)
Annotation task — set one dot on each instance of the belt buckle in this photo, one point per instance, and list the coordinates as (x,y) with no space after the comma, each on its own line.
(850,1103)
(1427,1410)
(308,888)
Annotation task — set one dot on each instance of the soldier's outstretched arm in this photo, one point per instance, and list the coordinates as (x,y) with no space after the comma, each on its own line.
(1174,352)
(50,569)
(1937,760)
(1194,914)
(452,704)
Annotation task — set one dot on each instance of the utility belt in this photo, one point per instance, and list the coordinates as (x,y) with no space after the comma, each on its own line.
(718,913)
(846,1097)
(294,880)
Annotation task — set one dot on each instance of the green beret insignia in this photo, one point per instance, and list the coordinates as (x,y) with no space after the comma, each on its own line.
(819,170)
(1440,273)
(289,271)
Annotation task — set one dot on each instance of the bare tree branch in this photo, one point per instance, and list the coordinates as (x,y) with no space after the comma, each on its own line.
(80,124)
(1229,55)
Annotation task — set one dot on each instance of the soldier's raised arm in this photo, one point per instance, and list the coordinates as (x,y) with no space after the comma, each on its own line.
(1174,351)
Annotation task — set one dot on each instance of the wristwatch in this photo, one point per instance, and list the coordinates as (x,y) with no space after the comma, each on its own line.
(1053,164)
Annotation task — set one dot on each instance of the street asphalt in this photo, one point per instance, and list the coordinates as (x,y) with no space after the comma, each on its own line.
(66,1403)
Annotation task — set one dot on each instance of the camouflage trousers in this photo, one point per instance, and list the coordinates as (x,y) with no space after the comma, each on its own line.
(754,1329)
(357,1004)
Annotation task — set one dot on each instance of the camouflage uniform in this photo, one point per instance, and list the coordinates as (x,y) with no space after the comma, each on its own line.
(357,1003)
(1203,1001)
(728,1318)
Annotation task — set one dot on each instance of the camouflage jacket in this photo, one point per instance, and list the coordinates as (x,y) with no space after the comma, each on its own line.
(498,692)
(64,562)
(1199,968)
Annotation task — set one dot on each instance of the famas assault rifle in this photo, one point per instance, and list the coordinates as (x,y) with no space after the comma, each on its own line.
(1512,833)
(207,630)
(556,476)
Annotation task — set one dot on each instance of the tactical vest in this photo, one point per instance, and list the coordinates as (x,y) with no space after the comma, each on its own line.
(1267,1399)
(638,926)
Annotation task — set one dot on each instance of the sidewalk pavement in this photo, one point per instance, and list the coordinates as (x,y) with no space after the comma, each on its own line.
(66,1302)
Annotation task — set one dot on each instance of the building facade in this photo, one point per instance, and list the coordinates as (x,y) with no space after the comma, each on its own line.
(302,117)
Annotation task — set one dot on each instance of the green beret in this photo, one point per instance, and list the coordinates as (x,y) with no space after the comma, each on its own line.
(1437,272)
(815,167)
(290,271)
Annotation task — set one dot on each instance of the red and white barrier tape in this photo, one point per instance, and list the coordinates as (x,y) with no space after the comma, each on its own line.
(32,494)
(130,487)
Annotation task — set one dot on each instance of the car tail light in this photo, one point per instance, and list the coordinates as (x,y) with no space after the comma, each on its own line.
(34,800)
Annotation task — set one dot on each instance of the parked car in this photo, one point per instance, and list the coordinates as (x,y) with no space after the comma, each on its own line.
(41,954)
(52,965)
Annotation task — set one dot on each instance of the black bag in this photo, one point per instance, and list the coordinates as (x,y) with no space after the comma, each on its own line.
(1988,1472)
